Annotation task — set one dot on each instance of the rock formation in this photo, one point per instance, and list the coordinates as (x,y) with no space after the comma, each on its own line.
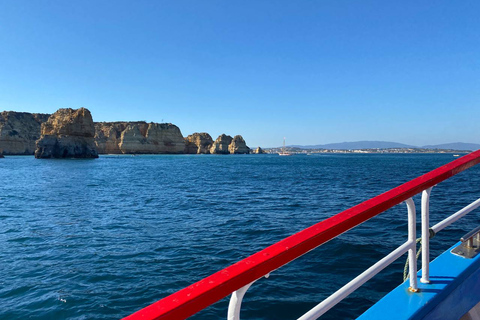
(259,151)
(228,145)
(138,137)
(220,146)
(1,153)
(68,133)
(238,146)
(19,131)
(198,143)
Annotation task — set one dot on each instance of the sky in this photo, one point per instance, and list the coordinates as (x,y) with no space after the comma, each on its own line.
(314,72)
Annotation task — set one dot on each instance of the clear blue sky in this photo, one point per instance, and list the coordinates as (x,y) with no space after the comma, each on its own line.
(312,71)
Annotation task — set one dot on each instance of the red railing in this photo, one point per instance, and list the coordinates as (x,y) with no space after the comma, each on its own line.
(209,290)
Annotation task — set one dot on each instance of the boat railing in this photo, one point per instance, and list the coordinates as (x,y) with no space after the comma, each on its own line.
(237,278)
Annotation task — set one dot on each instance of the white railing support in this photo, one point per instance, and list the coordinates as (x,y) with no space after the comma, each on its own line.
(353,285)
(426,236)
(454,217)
(235,303)
(409,246)
(412,237)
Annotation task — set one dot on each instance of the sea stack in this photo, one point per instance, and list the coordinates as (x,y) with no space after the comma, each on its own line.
(238,146)
(68,133)
(220,146)
(198,143)
(258,151)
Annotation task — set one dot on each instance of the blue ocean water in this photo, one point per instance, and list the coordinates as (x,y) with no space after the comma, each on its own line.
(100,239)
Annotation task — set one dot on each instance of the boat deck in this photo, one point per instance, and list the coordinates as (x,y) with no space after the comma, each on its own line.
(454,290)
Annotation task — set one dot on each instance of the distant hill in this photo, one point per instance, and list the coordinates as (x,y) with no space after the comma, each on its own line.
(455,146)
(357,145)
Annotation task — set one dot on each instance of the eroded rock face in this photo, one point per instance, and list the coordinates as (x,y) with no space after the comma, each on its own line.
(108,136)
(198,143)
(238,146)
(68,133)
(138,137)
(220,146)
(19,131)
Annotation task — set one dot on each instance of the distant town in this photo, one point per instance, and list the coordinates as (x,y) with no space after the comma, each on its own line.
(295,150)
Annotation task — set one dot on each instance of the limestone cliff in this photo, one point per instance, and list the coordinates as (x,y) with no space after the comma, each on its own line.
(238,146)
(108,135)
(220,146)
(19,131)
(68,133)
(198,143)
(138,137)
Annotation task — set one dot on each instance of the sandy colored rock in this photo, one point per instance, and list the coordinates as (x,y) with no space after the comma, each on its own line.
(138,138)
(220,146)
(19,131)
(198,143)
(259,151)
(68,133)
(108,136)
(238,146)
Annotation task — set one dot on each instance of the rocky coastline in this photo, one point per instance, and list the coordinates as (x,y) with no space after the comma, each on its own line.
(198,143)
(138,138)
(19,131)
(70,133)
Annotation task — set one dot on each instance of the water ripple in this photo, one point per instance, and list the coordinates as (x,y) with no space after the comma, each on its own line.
(101,239)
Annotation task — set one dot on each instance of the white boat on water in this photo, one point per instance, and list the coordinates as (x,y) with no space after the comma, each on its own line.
(284,151)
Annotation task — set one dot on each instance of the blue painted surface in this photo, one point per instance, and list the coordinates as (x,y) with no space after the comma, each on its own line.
(453,291)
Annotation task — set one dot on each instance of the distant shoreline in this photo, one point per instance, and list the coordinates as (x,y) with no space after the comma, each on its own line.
(272,152)
(365,151)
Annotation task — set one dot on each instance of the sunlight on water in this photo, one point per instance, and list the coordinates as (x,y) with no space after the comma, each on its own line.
(100,239)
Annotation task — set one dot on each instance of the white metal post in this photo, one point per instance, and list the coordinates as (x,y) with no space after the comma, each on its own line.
(426,236)
(236,302)
(412,252)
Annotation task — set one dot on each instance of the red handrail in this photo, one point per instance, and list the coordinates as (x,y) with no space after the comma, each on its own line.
(209,290)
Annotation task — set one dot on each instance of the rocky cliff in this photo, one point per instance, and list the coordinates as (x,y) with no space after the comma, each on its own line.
(228,145)
(1,153)
(68,133)
(238,146)
(138,137)
(220,146)
(198,143)
(19,131)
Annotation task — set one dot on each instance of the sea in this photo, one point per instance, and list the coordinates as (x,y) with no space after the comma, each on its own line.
(103,238)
